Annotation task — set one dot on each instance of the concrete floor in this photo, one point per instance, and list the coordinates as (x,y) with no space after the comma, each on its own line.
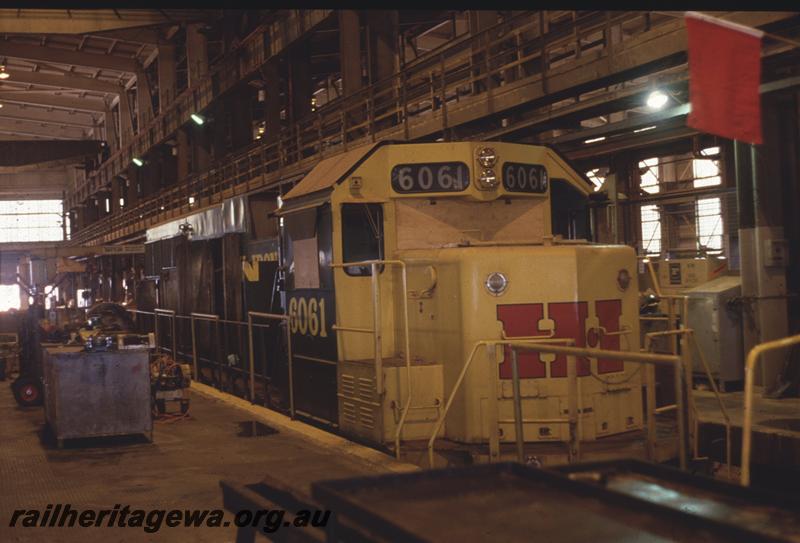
(181,469)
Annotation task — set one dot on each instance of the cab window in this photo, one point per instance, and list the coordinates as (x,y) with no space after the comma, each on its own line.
(362,236)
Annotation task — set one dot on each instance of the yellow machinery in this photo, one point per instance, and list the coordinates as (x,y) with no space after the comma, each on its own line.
(461,238)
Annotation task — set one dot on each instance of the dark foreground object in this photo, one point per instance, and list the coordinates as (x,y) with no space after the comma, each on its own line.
(607,501)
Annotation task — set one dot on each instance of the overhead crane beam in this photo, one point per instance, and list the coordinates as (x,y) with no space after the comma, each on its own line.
(41,115)
(84,21)
(63,81)
(37,53)
(36,128)
(46,249)
(44,98)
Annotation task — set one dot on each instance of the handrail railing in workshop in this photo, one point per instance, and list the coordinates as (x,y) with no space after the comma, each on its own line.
(285,320)
(543,347)
(312,137)
(378,336)
(171,314)
(215,83)
(749,383)
(206,317)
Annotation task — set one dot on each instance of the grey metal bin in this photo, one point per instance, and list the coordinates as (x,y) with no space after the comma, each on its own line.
(93,394)
(717,325)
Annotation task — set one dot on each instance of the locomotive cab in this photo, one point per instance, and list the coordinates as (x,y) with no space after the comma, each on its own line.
(469,226)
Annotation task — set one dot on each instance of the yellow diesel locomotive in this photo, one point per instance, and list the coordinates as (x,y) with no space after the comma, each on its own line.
(399,255)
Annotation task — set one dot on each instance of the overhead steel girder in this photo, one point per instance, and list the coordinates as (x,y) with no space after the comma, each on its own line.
(63,81)
(45,117)
(35,128)
(632,123)
(37,53)
(44,98)
(655,118)
(84,21)
(149,36)
(47,249)
(49,115)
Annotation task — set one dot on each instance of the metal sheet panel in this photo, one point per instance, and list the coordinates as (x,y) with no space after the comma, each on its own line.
(213,222)
(329,171)
(717,324)
(97,394)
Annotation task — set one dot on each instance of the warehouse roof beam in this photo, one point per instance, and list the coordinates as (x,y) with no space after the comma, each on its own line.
(84,21)
(35,53)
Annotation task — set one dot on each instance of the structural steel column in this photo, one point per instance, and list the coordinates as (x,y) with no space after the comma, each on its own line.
(166,75)
(131,191)
(116,194)
(125,125)
(383,51)
(111,130)
(201,152)
(479,20)
(143,100)
(242,115)
(272,101)
(350,50)
(196,53)
(767,237)
(184,156)
(300,89)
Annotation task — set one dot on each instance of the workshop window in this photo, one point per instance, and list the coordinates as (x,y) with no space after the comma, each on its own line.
(709,224)
(597,177)
(650,215)
(706,170)
(708,211)
(362,236)
(31,220)
(9,297)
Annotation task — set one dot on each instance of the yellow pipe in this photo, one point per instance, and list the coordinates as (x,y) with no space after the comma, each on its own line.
(749,381)
(719,401)
(460,378)
(407,339)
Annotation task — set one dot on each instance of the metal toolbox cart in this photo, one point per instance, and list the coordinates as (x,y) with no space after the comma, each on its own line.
(93,394)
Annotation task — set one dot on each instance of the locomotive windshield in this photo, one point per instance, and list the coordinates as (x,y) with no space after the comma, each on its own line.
(362,235)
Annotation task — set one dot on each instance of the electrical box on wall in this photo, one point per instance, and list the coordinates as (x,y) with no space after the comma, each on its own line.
(676,275)
(775,252)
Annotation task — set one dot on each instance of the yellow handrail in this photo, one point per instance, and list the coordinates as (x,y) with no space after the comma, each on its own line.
(545,346)
(749,382)
(377,333)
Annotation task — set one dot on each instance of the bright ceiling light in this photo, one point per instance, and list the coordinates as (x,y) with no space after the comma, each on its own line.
(3,73)
(594,140)
(138,161)
(198,119)
(657,100)
(645,129)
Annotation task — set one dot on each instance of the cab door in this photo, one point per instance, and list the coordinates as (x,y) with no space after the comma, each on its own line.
(311,308)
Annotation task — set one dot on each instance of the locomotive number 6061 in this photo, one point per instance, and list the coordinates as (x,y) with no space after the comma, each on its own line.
(307,316)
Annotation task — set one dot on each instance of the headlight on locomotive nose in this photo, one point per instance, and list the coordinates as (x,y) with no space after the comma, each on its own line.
(496,283)
(487,180)
(487,158)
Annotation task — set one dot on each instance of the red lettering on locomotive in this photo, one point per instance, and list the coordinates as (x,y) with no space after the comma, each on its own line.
(522,320)
(608,313)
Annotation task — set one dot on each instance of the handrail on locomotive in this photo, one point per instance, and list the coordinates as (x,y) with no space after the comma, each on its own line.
(376,331)
(545,346)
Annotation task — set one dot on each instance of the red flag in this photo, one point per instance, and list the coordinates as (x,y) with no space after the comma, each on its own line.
(724,78)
